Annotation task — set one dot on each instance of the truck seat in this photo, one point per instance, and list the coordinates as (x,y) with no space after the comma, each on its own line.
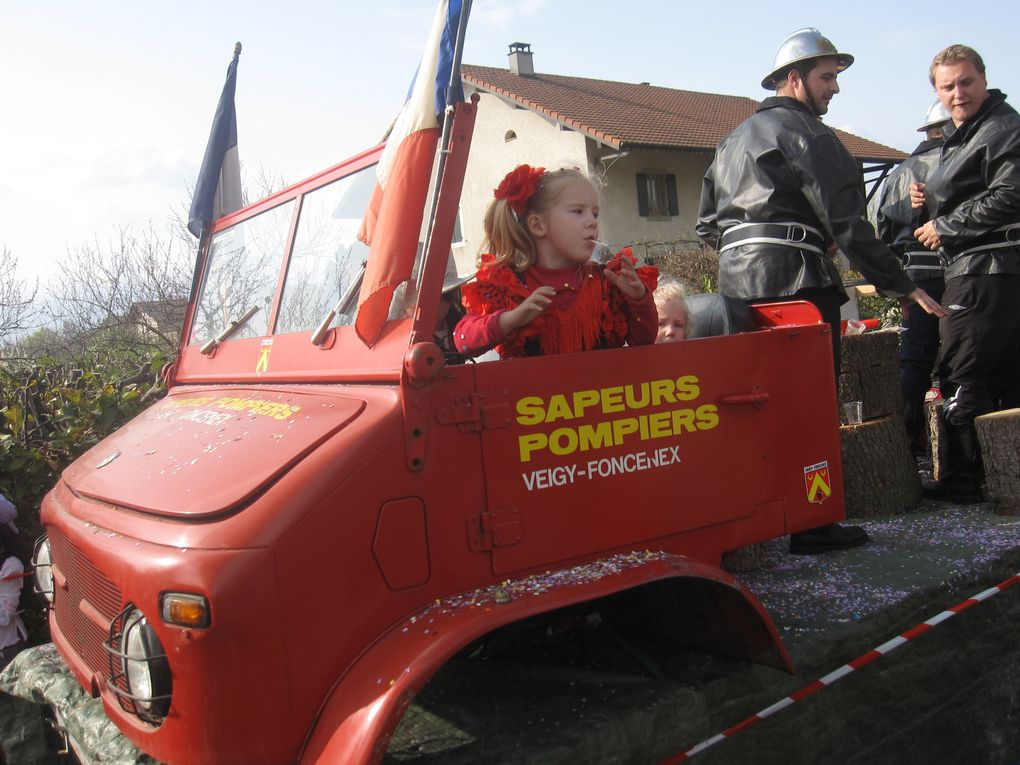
(713,314)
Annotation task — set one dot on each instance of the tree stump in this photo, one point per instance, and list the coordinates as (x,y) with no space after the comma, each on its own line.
(870,373)
(870,349)
(879,472)
(936,436)
(999,438)
(745,559)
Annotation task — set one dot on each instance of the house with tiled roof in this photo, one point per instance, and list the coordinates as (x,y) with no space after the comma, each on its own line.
(648,146)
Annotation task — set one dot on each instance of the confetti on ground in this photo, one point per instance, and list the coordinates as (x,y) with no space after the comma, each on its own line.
(908,554)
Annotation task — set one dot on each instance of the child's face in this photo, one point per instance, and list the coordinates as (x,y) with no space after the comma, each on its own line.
(672,321)
(566,233)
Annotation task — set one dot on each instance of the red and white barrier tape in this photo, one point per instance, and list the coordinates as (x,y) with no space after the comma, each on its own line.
(845,670)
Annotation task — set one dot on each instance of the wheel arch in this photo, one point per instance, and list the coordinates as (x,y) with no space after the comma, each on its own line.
(709,607)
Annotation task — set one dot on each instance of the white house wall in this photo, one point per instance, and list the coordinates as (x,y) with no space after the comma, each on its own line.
(541,142)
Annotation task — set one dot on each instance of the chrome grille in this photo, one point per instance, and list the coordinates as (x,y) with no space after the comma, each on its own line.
(88,583)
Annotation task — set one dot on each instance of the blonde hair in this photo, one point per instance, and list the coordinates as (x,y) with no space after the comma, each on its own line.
(955,54)
(506,233)
(669,289)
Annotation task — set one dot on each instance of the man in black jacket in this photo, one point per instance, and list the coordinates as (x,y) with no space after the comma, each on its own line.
(973,204)
(781,193)
(896,221)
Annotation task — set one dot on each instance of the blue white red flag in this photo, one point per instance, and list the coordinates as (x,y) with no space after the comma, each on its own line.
(393,219)
(218,190)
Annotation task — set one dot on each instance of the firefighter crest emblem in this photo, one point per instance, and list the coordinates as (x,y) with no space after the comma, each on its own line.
(817,482)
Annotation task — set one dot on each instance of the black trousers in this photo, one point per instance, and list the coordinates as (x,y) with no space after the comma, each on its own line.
(980,363)
(919,350)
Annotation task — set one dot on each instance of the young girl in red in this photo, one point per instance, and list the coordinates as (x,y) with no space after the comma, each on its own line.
(537,291)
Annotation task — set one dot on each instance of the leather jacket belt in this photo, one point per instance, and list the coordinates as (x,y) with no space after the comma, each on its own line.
(923,260)
(797,235)
(1004,236)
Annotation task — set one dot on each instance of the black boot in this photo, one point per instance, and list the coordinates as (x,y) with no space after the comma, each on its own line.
(957,492)
(825,538)
(961,480)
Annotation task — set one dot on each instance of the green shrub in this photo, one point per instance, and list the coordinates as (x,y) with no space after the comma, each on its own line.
(53,411)
(694,265)
(885,309)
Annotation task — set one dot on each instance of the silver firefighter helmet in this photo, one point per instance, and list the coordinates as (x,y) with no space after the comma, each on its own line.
(936,115)
(800,46)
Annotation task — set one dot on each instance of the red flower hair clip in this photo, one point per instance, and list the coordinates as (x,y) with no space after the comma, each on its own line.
(519,186)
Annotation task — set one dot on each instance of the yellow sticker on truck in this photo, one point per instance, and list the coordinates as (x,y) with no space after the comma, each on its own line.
(220,407)
(624,416)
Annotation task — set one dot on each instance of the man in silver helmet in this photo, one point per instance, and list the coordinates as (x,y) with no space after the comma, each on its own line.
(781,194)
(896,221)
(972,199)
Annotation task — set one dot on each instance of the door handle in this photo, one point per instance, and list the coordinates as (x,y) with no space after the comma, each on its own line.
(755,398)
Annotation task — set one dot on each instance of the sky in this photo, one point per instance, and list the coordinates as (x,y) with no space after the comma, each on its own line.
(107,105)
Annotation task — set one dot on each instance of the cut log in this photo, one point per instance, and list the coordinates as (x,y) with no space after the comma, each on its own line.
(879,472)
(936,436)
(878,388)
(870,373)
(871,349)
(745,559)
(999,438)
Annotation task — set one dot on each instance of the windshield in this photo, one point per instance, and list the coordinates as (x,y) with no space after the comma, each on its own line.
(328,256)
(244,268)
(283,282)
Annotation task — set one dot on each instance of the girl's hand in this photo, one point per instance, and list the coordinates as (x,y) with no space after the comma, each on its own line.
(627,280)
(528,311)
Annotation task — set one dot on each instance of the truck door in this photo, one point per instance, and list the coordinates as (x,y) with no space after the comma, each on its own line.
(609,448)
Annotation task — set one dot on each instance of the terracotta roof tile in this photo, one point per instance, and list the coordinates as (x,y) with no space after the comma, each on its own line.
(626,114)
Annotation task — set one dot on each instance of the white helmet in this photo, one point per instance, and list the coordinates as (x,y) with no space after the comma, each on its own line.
(936,115)
(800,46)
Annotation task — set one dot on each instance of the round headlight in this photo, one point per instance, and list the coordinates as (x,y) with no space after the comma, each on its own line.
(42,562)
(145,667)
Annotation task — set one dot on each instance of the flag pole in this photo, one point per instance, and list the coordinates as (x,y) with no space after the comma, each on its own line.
(444,139)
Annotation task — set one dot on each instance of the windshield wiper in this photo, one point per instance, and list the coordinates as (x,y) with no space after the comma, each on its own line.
(342,306)
(235,325)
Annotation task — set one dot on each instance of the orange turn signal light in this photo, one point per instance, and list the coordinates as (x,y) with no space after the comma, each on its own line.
(185,609)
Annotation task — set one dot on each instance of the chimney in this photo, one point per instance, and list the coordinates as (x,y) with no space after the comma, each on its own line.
(521,62)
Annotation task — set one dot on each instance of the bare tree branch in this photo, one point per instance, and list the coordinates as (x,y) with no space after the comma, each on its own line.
(135,286)
(16,298)
(127,295)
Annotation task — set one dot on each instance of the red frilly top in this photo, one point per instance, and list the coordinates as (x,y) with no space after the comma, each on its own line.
(587,312)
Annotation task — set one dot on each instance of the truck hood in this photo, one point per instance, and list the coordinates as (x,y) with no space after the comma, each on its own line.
(205,452)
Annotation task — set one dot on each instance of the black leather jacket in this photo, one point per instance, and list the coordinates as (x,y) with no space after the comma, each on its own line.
(976,188)
(896,220)
(783,165)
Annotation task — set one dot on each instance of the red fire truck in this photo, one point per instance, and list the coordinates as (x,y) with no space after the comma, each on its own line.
(267,565)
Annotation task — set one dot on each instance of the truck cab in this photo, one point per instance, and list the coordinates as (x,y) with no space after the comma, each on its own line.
(267,564)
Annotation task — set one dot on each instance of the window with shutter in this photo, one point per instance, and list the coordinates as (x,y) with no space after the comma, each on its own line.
(657,196)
